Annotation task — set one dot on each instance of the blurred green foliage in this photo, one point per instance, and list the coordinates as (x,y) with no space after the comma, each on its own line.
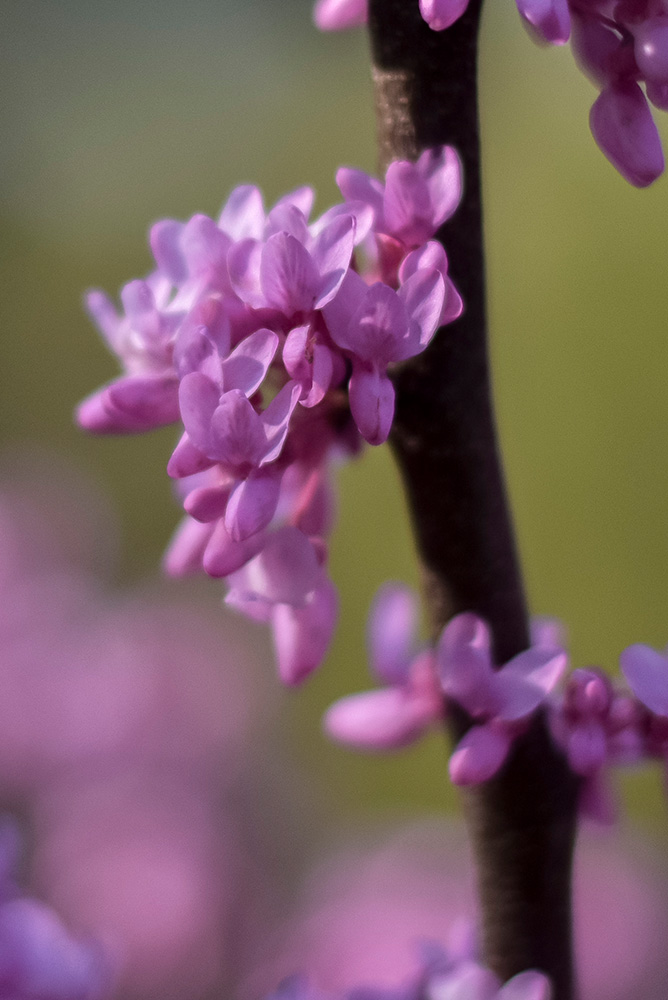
(116,114)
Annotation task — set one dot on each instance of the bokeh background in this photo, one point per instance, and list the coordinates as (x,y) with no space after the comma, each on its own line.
(116,114)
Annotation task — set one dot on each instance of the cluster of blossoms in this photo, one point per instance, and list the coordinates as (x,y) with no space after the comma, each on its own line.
(618,44)
(441,976)
(335,15)
(270,338)
(593,723)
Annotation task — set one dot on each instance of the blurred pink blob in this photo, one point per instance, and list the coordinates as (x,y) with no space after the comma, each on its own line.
(363,912)
(125,722)
(148,864)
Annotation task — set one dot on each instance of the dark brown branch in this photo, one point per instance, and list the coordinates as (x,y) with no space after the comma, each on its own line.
(444,439)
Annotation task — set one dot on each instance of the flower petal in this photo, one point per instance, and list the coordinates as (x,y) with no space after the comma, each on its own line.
(377,720)
(479,755)
(391,632)
(371,396)
(302,634)
(646,672)
(623,127)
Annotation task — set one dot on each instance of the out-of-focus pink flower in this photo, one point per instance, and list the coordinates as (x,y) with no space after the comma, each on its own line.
(402,712)
(499,701)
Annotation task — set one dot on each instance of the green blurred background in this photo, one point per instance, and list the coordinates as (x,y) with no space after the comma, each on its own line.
(115,114)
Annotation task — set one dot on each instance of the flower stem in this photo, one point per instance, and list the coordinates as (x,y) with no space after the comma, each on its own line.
(522,823)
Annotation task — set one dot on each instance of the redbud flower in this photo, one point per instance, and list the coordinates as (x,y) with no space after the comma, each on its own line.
(500,702)
(619,46)
(272,338)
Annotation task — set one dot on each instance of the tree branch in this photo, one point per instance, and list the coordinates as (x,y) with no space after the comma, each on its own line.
(523,822)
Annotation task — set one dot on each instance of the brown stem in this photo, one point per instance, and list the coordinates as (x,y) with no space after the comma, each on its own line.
(523,822)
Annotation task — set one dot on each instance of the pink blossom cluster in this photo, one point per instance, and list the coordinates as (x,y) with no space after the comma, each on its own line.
(460,670)
(619,44)
(591,720)
(335,15)
(271,338)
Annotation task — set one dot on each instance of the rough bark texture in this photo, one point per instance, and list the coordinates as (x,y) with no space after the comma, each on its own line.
(523,823)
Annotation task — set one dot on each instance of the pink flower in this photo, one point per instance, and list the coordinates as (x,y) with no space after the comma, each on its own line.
(500,702)
(401,712)
(619,46)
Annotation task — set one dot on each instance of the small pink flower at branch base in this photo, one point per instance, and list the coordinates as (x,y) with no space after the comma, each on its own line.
(402,712)
(619,46)
(500,702)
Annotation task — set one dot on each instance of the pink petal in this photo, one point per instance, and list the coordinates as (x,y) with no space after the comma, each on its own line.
(187,460)
(392,632)
(165,240)
(103,312)
(285,572)
(288,275)
(646,672)
(237,437)
(464,664)
(377,720)
(549,18)
(355,185)
(336,15)
(131,405)
(340,311)
(186,549)
(252,505)
(243,265)
(429,255)
(526,986)
(586,747)
(247,365)
(624,129)
(408,209)
(423,295)
(331,252)
(302,198)
(302,635)
(242,216)
(378,327)
(198,400)
(442,172)
(371,396)
(287,218)
(479,755)
(207,503)
(223,556)
(205,246)
(440,14)
(276,420)
(525,682)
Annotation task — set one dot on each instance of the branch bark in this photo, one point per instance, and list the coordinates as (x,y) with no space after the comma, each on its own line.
(522,823)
